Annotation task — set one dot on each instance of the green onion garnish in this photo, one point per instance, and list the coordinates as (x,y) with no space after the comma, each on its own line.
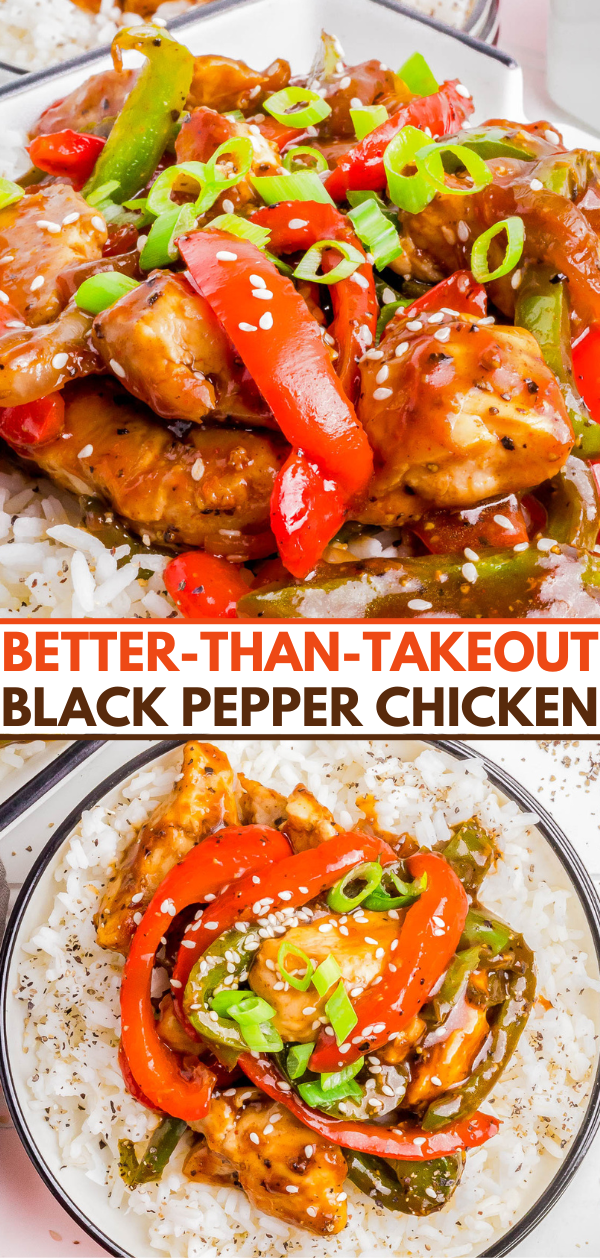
(331,1080)
(305,150)
(249,1009)
(102,193)
(295,983)
(283,107)
(240,147)
(308,266)
(99,292)
(262,1037)
(9,193)
(406,893)
(376,232)
(326,975)
(430,165)
(297,1060)
(301,186)
(315,1096)
(241,228)
(222,1001)
(367,118)
(410,192)
(341,1014)
(187,177)
(369,872)
(160,249)
(515,240)
(418,76)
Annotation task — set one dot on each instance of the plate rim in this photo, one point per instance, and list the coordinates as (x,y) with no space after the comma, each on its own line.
(552,833)
(38,786)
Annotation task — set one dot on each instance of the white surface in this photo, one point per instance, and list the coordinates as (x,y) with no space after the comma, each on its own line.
(562,777)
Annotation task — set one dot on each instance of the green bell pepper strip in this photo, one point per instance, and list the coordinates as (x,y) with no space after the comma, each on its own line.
(470,853)
(461,1101)
(158,1152)
(200,990)
(454,985)
(482,929)
(509,584)
(144,126)
(542,307)
(493,142)
(571,502)
(415,1188)
(404,893)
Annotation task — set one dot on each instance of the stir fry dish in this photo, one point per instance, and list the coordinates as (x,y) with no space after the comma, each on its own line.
(325,343)
(339,1004)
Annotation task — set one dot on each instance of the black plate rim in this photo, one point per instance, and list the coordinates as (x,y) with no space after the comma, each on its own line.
(554,836)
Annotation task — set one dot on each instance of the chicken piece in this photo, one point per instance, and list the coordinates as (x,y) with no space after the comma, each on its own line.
(166,345)
(224,84)
(259,804)
(171,1031)
(200,802)
(200,137)
(211,491)
(96,100)
(289,1155)
(397,1050)
(296,1012)
(462,417)
(447,1062)
(30,252)
(202,1164)
(370,82)
(127,264)
(308,823)
(29,366)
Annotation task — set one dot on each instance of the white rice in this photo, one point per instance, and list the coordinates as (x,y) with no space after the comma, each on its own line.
(72,988)
(50,567)
(14,756)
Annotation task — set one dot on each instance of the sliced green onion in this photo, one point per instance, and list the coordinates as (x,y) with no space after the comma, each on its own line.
(160,249)
(418,76)
(241,148)
(356,197)
(410,192)
(140,204)
(221,1002)
(367,118)
(326,975)
(284,951)
(407,893)
(235,115)
(282,266)
(297,1060)
(387,313)
(369,873)
(311,1093)
(99,292)
(241,228)
(308,266)
(331,1080)
(376,232)
(282,107)
(9,193)
(262,1037)
(515,240)
(305,150)
(301,186)
(102,193)
(430,165)
(249,1009)
(341,1014)
(190,177)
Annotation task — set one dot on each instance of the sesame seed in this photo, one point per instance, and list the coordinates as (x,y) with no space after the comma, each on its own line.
(37,283)
(463,91)
(329,1030)
(116,367)
(361,281)
(85,451)
(469,572)
(516,278)
(256,879)
(419,1141)
(254,1138)
(382,374)
(370,940)
(258,282)
(414,325)
(419,605)
(137,918)
(442,334)
(366,335)
(49,225)
(356,103)
(536,185)
(98,223)
(345,82)
(309,1010)
(311,1211)
(302,889)
(381,394)
(211,927)
(439,922)
(504,522)
(463,231)
(212,1015)
(229,208)
(266,321)
(524,546)
(470,554)
(264,294)
(378,1028)
(436,318)
(12,323)
(60,360)
(247,327)
(438,932)
(343,930)
(198,470)
(70,218)
(136,898)
(295,224)
(325,927)
(168,907)
(356,992)
(387,1089)
(275,1117)
(373,354)
(552,136)
(388,296)
(379,953)
(189,944)
(284,1087)
(546,544)
(226,255)
(435,1080)
(489,319)
(401,349)
(176,984)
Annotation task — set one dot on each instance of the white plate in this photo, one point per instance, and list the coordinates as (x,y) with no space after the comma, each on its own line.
(125,1234)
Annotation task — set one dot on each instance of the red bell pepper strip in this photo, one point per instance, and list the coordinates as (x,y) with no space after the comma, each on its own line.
(444,112)
(424,951)
(33,424)
(130,1082)
(459,292)
(586,367)
(304,875)
(157,1070)
(284,353)
(70,154)
(278,133)
(498,523)
(204,585)
(355,307)
(410,1142)
(306,511)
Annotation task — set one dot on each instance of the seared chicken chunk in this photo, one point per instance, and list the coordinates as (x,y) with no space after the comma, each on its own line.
(290,1172)
(29,366)
(225,84)
(97,99)
(261,805)
(212,491)
(32,255)
(445,1062)
(355,950)
(166,345)
(171,1031)
(461,417)
(201,802)
(308,823)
